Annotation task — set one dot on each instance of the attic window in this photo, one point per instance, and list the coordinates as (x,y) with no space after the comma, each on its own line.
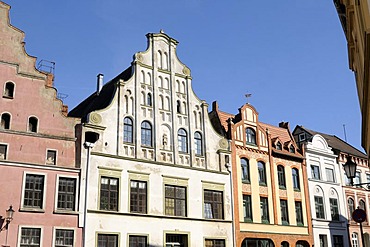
(5,121)
(9,90)
(32,124)
(292,149)
(278,146)
(250,136)
(302,137)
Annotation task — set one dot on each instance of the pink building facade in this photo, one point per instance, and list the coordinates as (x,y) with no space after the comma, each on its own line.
(38,172)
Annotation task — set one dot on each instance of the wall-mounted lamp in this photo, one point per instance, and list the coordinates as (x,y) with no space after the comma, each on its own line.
(8,218)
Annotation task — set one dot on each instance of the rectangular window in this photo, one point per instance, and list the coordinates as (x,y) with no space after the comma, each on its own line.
(338,241)
(357,179)
(284,212)
(329,175)
(175,200)
(107,240)
(51,157)
(264,210)
(109,193)
(34,191)
(213,204)
(66,194)
(315,172)
(323,240)
(30,237)
(319,207)
(215,243)
(3,149)
(176,240)
(138,197)
(334,209)
(247,208)
(298,213)
(137,241)
(64,238)
(302,137)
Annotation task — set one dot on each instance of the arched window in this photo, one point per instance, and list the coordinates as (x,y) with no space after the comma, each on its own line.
(146,134)
(5,121)
(245,169)
(278,146)
(354,239)
(281,176)
(32,124)
(149,99)
(361,204)
(9,90)
(292,149)
(284,244)
(198,143)
(251,136)
(295,176)
(261,173)
(351,206)
(182,138)
(302,244)
(127,130)
(160,59)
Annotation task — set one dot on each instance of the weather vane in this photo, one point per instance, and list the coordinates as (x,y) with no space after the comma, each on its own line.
(248,95)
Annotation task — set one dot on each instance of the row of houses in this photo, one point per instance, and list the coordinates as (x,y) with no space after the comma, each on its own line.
(143,162)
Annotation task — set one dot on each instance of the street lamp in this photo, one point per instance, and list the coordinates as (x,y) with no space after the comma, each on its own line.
(350,169)
(8,218)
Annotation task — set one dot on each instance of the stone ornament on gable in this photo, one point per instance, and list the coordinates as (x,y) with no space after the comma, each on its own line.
(95,118)
(223,144)
(139,57)
(186,70)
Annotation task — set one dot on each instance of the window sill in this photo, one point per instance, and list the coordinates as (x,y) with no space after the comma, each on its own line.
(263,184)
(300,224)
(128,143)
(33,210)
(282,188)
(297,190)
(285,223)
(248,220)
(60,211)
(199,155)
(246,181)
(265,222)
(8,97)
(149,147)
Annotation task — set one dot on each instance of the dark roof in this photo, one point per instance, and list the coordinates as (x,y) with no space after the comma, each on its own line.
(100,101)
(337,143)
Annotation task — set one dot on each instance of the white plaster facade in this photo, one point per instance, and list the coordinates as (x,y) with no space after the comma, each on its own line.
(157,89)
(325,181)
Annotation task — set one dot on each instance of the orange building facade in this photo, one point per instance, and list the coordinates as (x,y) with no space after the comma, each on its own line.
(271,204)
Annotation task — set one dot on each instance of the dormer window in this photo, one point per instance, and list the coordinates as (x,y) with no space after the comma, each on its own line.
(9,90)
(279,146)
(5,121)
(32,124)
(250,136)
(291,149)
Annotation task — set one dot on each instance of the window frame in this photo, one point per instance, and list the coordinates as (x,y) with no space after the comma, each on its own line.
(6,122)
(128,130)
(222,242)
(198,143)
(137,236)
(264,207)
(319,207)
(351,209)
(42,193)
(284,212)
(35,129)
(334,209)
(5,147)
(247,208)
(250,136)
(12,91)
(298,213)
(330,172)
(338,243)
(262,179)
(55,157)
(281,177)
(138,193)
(245,170)
(76,193)
(296,179)
(55,229)
(21,227)
(177,212)
(213,204)
(315,172)
(108,234)
(182,140)
(109,191)
(146,134)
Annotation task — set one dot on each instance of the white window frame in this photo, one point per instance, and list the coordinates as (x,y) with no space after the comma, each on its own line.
(56,156)
(7,97)
(57,190)
(7,150)
(55,228)
(29,226)
(25,173)
(28,122)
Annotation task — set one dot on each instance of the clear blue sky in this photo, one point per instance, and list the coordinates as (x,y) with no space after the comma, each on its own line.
(290,55)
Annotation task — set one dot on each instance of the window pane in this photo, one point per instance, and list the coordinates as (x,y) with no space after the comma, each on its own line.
(107,240)
(64,238)
(138,241)
(66,193)
(34,191)
(30,237)
(175,200)
(213,204)
(109,194)
(138,197)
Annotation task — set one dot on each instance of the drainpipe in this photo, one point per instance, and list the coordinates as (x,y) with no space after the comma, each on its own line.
(228,167)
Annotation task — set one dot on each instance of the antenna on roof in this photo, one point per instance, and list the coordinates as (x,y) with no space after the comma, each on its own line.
(345,134)
(248,95)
